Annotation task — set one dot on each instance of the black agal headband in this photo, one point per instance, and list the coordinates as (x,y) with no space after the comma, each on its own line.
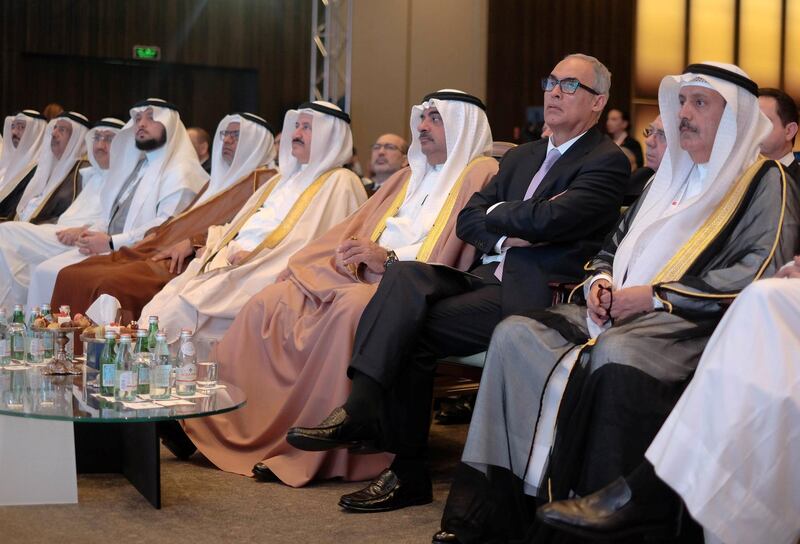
(73,117)
(325,109)
(459,97)
(715,71)
(156,103)
(257,120)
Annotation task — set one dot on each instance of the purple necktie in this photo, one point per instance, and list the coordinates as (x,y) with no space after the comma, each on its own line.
(549,160)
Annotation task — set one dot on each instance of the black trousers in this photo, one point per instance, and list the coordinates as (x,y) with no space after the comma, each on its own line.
(419,314)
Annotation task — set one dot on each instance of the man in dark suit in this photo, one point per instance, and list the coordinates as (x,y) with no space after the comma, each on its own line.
(543,215)
(780,108)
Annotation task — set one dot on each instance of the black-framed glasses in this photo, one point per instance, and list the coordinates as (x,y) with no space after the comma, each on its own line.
(108,138)
(658,133)
(568,85)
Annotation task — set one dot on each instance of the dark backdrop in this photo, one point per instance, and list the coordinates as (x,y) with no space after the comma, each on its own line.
(218,56)
(528,37)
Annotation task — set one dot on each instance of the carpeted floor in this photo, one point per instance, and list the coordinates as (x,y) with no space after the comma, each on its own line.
(204,505)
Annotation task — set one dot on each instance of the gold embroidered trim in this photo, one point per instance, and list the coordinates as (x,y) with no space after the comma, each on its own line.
(233,231)
(437,228)
(392,211)
(677,266)
(295,213)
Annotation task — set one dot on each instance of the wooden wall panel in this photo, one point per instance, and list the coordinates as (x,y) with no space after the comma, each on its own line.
(218,56)
(528,37)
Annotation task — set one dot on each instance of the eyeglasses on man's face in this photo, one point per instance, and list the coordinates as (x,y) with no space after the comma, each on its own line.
(569,85)
(652,131)
(103,137)
(232,133)
(387,147)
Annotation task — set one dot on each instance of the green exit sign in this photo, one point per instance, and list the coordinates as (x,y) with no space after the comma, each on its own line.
(146,52)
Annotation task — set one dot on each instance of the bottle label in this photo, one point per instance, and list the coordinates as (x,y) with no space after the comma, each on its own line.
(37,347)
(108,373)
(160,375)
(186,373)
(188,349)
(5,348)
(127,381)
(144,374)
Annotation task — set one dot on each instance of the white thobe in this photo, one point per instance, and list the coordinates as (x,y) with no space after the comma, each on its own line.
(24,245)
(207,300)
(731,446)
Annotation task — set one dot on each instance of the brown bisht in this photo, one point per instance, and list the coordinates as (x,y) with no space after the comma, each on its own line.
(289,347)
(130,274)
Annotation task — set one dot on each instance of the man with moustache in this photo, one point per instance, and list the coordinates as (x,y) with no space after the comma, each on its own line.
(24,245)
(55,185)
(154,174)
(544,213)
(23,134)
(242,157)
(388,156)
(571,397)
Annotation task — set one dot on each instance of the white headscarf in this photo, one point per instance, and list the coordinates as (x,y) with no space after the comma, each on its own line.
(467,136)
(16,162)
(51,171)
(256,148)
(178,148)
(87,208)
(331,142)
(659,229)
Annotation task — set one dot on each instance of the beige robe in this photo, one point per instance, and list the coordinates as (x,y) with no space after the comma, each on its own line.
(209,294)
(311,318)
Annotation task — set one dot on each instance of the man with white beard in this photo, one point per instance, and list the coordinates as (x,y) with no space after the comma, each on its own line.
(23,245)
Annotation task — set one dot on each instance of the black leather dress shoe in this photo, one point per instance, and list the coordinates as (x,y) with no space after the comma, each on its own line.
(455,411)
(612,513)
(262,473)
(338,430)
(443,537)
(388,492)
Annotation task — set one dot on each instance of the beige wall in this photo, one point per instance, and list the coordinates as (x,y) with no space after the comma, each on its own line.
(404,49)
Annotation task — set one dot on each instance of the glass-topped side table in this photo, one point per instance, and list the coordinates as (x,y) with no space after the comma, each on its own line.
(52,425)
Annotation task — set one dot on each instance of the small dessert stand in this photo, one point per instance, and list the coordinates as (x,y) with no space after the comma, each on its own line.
(61,363)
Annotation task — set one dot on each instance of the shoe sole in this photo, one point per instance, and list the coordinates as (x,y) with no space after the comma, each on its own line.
(366,510)
(647,531)
(308,443)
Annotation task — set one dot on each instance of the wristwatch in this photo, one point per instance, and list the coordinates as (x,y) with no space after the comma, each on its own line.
(391,258)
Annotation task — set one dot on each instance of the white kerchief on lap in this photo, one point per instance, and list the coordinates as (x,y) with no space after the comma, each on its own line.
(256,148)
(659,229)
(104,310)
(15,162)
(50,171)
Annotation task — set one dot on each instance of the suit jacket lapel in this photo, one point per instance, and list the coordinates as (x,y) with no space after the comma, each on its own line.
(519,186)
(577,150)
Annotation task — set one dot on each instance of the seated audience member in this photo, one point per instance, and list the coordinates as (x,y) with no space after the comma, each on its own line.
(201,142)
(389,154)
(56,183)
(655,144)
(24,245)
(289,346)
(23,134)
(780,108)
(728,449)
(617,124)
(134,275)
(546,212)
(154,175)
(312,193)
(570,399)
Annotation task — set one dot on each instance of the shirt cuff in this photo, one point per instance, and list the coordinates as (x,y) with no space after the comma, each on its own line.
(493,206)
(657,304)
(119,241)
(498,247)
(601,276)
